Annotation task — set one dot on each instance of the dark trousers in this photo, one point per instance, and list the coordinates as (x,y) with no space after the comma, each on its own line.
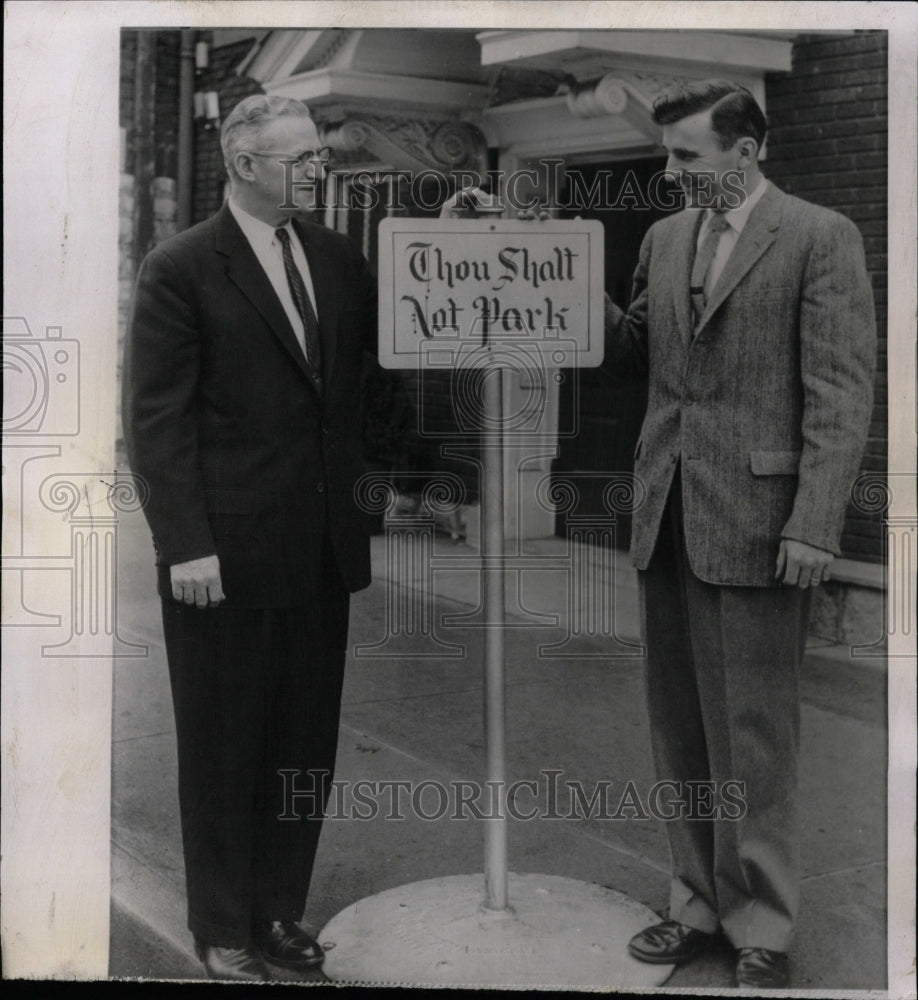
(255,692)
(722,692)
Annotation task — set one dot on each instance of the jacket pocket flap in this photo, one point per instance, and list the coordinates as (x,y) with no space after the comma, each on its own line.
(229,501)
(774,463)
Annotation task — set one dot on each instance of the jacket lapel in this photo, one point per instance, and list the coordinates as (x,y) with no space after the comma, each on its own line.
(324,283)
(244,270)
(757,236)
(683,255)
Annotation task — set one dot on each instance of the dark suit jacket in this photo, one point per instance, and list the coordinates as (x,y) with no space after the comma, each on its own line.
(767,407)
(241,456)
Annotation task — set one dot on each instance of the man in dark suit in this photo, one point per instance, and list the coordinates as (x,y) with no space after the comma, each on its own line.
(241,412)
(752,313)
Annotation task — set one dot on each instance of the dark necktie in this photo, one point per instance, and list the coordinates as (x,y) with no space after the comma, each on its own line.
(304,307)
(703,260)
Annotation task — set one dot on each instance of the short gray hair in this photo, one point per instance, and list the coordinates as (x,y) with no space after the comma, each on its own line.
(250,116)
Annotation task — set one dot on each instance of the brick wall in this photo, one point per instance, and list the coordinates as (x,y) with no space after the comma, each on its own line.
(209,174)
(126,86)
(146,195)
(220,75)
(149,119)
(827,143)
(166,104)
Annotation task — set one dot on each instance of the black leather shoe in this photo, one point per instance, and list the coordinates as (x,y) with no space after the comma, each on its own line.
(669,943)
(762,968)
(284,943)
(243,964)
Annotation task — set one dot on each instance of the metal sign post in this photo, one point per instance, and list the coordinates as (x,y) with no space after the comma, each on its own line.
(489,296)
(492,580)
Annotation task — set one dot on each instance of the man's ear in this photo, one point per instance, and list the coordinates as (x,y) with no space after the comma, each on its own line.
(748,150)
(242,164)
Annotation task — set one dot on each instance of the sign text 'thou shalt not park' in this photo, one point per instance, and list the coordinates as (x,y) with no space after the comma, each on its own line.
(528,293)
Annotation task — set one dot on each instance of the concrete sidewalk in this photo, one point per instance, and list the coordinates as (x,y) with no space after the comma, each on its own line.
(412,712)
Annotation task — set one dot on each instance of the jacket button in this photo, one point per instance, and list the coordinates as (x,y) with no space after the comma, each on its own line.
(320,487)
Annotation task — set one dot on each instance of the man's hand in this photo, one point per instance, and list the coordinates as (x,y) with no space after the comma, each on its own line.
(472,203)
(535,214)
(198,582)
(802,565)
(464,201)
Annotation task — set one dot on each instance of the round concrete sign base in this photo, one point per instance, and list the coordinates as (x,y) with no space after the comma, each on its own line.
(556,933)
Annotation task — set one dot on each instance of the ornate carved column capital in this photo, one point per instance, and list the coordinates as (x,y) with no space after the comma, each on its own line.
(605,97)
(414,144)
(624,93)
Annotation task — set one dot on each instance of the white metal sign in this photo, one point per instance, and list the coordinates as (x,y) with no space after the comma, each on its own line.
(521,290)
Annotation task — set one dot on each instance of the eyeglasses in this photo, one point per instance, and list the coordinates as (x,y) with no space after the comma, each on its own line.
(322,156)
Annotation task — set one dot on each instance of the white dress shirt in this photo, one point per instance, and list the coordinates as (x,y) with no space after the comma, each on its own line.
(270,255)
(737,219)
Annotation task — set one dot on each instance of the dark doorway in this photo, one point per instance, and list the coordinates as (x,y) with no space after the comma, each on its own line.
(610,414)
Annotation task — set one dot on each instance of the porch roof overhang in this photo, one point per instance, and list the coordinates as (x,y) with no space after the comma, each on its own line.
(608,79)
(612,79)
(591,54)
(379,69)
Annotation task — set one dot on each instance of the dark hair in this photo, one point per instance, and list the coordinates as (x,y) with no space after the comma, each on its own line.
(734,111)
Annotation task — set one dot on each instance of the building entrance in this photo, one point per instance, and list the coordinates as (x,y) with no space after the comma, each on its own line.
(609,414)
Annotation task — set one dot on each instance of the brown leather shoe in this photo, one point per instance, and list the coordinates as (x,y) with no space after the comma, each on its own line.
(243,964)
(669,943)
(762,968)
(284,943)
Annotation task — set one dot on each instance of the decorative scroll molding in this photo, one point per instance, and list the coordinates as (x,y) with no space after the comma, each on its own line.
(630,95)
(606,97)
(411,143)
(647,87)
(573,120)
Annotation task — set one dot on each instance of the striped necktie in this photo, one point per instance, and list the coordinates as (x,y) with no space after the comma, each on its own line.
(703,260)
(304,307)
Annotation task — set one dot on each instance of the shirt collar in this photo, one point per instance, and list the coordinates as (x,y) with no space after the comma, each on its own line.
(738,217)
(258,233)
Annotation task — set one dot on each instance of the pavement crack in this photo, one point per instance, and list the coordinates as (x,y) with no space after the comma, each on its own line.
(154,868)
(402,753)
(641,858)
(411,697)
(143,736)
(576,830)
(882,862)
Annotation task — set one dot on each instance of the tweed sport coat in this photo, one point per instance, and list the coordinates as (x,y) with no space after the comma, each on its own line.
(766,404)
(241,456)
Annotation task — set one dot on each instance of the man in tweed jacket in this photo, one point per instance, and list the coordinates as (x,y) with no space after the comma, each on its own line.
(761,377)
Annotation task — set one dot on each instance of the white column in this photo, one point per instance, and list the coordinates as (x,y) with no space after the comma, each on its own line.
(530,446)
